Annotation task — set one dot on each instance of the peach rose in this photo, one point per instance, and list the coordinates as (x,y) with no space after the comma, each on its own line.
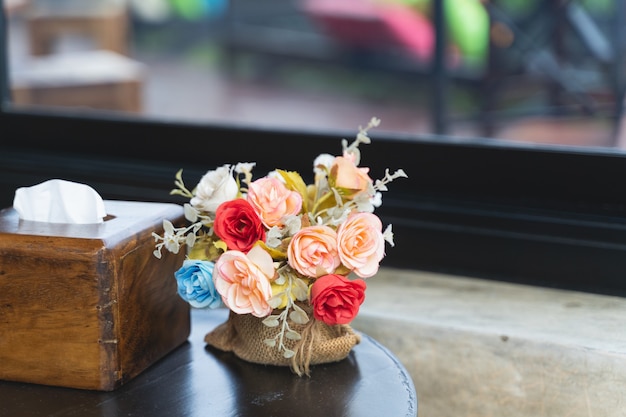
(244,281)
(272,200)
(361,244)
(312,251)
(347,177)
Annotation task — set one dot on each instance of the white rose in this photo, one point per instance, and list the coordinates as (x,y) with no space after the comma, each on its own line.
(214,188)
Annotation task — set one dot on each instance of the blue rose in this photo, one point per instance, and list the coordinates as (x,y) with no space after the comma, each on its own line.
(195,284)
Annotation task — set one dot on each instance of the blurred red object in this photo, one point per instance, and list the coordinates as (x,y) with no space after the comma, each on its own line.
(374,25)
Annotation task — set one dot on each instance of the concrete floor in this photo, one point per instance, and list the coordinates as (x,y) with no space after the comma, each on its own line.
(481,348)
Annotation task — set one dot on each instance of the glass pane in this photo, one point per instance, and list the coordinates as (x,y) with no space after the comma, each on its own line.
(525,70)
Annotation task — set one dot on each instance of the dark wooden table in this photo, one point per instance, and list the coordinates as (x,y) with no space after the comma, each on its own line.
(196,380)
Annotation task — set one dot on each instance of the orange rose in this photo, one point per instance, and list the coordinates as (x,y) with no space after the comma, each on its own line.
(361,244)
(312,251)
(336,299)
(347,177)
(272,200)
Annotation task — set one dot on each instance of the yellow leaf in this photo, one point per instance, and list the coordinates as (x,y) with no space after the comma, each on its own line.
(276,254)
(324,202)
(311,191)
(294,182)
(220,244)
(342,270)
(198,252)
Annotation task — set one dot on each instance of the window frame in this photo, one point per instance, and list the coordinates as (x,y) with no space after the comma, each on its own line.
(545,215)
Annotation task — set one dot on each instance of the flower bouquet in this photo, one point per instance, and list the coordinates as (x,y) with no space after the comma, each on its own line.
(288,259)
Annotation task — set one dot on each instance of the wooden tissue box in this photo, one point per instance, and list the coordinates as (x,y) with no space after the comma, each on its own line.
(88,306)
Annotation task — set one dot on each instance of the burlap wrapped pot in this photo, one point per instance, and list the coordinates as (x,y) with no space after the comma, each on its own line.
(244,335)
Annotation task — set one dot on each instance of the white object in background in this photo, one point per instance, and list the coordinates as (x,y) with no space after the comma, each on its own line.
(59,201)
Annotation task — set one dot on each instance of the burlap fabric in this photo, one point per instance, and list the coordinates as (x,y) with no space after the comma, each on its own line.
(244,335)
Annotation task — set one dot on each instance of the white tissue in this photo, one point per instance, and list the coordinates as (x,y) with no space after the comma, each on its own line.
(59,201)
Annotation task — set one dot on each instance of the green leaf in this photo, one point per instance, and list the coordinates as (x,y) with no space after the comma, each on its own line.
(271,321)
(293,335)
(299,317)
(300,290)
(276,300)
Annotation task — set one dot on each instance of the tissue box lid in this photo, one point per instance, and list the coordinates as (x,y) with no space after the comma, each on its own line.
(123,218)
(127,223)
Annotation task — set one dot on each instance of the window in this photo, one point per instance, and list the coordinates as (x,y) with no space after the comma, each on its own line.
(514,70)
(550,215)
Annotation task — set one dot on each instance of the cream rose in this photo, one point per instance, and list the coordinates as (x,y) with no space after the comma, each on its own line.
(312,251)
(244,281)
(214,188)
(272,200)
(361,244)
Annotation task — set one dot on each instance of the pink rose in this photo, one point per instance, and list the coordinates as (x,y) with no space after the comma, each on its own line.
(347,177)
(361,244)
(312,251)
(244,281)
(238,225)
(272,200)
(336,299)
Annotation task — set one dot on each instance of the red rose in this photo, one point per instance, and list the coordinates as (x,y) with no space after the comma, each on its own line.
(238,225)
(336,299)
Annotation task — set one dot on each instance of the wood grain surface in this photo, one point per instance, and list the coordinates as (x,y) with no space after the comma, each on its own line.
(88,306)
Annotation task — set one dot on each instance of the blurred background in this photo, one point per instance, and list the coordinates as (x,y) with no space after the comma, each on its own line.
(546,72)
